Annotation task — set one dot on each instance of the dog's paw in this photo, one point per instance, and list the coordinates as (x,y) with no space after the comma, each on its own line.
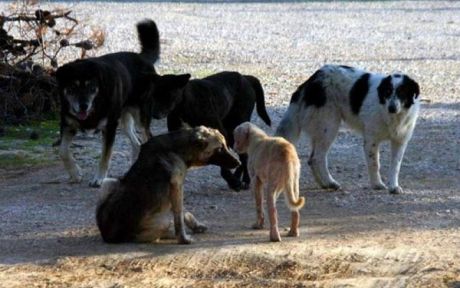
(395,190)
(293,233)
(332,186)
(184,239)
(96,182)
(379,186)
(275,237)
(200,228)
(257,226)
(75,175)
(75,179)
(245,185)
(235,185)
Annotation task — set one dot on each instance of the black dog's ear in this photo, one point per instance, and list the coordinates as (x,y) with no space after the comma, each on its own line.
(174,81)
(412,87)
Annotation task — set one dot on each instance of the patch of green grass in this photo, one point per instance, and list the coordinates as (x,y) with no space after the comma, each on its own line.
(17,149)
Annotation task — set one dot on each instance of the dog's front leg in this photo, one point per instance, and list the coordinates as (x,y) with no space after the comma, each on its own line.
(243,170)
(371,151)
(108,136)
(176,196)
(66,156)
(397,153)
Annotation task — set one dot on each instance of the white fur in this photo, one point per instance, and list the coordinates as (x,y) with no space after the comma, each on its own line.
(374,122)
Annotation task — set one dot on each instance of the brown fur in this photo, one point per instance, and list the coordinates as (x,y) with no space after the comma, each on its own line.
(137,207)
(275,167)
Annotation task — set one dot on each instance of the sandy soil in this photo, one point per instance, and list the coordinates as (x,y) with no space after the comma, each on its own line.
(356,237)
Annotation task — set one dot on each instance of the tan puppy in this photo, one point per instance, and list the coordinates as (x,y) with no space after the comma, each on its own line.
(274,166)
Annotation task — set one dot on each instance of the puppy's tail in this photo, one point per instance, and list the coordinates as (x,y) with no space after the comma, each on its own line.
(260,99)
(291,194)
(149,38)
(289,127)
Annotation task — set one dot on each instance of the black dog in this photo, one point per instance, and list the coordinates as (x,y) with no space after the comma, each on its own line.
(98,92)
(137,207)
(221,101)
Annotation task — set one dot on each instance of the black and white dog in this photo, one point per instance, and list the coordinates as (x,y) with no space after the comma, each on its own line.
(379,107)
(221,101)
(97,93)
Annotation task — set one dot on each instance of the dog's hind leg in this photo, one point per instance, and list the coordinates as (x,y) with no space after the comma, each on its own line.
(322,132)
(371,152)
(272,212)
(108,135)
(130,131)
(258,195)
(192,223)
(397,153)
(66,156)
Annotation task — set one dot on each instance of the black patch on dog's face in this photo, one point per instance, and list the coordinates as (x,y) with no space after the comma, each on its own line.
(407,91)
(385,90)
(358,93)
(313,90)
(168,93)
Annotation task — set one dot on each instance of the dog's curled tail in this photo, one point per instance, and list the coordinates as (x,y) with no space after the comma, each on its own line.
(291,194)
(260,99)
(149,38)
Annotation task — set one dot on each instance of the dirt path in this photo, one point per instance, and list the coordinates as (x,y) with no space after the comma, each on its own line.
(356,237)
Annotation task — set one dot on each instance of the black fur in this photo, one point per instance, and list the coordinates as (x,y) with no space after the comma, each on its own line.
(313,91)
(221,101)
(358,93)
(148,32)
(347,67)
(146,187)
(122,80)
(408,91)
(385,89)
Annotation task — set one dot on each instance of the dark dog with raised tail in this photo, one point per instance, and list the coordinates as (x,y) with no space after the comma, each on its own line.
(97,93)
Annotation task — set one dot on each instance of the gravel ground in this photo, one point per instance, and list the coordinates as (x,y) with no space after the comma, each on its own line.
(356,237)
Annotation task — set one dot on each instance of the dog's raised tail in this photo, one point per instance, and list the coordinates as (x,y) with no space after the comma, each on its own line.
(260,99)
(149,38)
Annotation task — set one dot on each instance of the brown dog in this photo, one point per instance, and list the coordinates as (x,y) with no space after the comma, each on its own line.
(273,165)
(137,207)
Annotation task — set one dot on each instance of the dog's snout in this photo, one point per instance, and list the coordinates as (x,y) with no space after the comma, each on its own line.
(225,158)
(392,108)
(83,106)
